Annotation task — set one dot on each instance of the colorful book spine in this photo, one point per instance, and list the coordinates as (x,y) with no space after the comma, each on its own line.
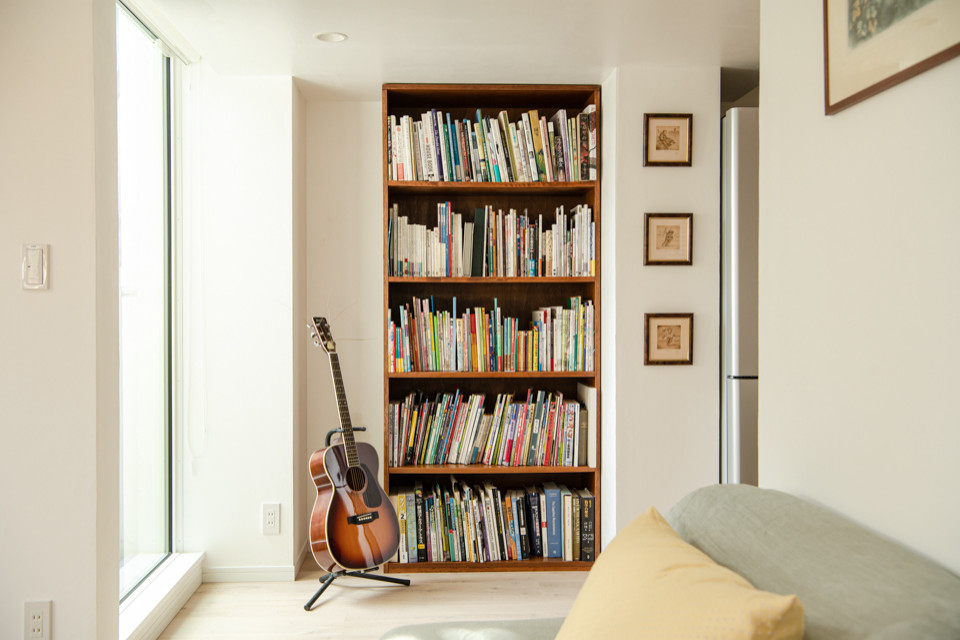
(554,520)
(587,525)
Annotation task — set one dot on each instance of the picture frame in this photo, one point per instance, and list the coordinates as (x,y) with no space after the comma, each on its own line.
(667,338)
(667,139)
(869,47)
(668,239)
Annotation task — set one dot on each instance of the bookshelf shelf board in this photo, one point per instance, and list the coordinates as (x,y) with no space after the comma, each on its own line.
(531,564)
(484,469)
(543,188)
(483,375)
(501,95)
(498,281)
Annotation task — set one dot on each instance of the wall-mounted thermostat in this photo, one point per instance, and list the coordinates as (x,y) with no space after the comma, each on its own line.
(33,267)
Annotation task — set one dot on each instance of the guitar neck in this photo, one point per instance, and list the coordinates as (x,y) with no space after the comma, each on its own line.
(349,443)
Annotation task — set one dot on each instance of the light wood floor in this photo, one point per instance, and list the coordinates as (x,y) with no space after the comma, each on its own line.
(352,608)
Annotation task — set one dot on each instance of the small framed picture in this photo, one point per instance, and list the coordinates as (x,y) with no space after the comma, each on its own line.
(668,238)
(667,139)
(667,338)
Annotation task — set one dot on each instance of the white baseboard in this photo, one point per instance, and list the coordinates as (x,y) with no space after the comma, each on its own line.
(250,574)
(147,612)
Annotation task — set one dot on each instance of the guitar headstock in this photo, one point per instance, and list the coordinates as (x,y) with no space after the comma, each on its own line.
(322,337)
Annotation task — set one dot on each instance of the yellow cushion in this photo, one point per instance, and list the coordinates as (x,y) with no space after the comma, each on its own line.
(649,583)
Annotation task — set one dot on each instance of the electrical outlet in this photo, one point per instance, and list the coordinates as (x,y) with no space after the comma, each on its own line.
(36,620)
(270,518)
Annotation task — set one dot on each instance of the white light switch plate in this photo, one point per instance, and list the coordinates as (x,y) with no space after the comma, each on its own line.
(33,266)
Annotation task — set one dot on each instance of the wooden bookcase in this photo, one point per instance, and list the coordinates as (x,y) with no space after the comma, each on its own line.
(517,296)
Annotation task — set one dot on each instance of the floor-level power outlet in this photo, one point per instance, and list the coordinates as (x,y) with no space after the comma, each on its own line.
(270,518)
(36,620)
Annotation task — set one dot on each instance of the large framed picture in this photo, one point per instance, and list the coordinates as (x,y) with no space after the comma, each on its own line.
(667,338)
(872,45)
(667,139)
(668,238)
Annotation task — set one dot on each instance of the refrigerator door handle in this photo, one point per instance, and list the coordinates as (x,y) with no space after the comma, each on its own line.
(731,462)
(740,431)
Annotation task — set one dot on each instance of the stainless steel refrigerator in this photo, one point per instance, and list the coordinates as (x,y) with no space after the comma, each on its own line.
(739,237)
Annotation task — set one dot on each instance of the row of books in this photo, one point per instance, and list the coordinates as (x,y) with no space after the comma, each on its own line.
(436,147)
(495,244)
(463,522)
(542,429)
(425,339)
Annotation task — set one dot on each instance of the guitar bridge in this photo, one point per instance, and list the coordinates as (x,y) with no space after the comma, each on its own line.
(363,518)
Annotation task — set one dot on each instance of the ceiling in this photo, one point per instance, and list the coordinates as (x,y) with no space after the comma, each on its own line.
(542,41)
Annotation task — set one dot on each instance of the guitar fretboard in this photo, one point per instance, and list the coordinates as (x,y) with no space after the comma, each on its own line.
(348,442)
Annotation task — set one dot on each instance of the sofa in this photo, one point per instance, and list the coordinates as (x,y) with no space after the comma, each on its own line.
(764,563)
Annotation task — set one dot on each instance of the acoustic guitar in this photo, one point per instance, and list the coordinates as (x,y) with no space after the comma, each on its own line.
(354,525)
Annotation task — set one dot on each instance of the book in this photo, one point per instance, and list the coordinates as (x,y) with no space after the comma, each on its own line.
(538,143)
(588,397)
(587,525)
(399,501)
(570,417)
(575,511)
(519,143)
(562,153)
(430,534)
(520,503)
(479,238)
(500,521)
(411,524)
(547,148)
(583,131)
(416,143)
(582,437)
(566,497)
(490,523)
(455,174)
(421,523)
(554,520)
(590,111)
(484,174)
(535,431)
(500,144)
(468,248)
(532,504)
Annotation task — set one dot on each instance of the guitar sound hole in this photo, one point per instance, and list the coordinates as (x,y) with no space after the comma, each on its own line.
(356,479)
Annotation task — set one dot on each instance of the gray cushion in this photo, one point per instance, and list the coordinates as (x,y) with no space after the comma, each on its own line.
(541,629)
(853,583)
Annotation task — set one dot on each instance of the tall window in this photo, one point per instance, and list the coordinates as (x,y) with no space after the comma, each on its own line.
(144,170)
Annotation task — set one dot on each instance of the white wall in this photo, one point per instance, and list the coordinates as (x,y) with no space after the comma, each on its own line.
(299,319)
(860,291)
(240,391)
(58,347)
(667,420)
(609,107)
(345,267)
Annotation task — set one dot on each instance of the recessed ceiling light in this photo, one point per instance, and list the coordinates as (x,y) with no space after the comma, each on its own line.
(331,36)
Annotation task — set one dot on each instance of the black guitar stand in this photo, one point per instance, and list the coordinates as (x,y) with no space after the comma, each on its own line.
(330,434)
(328,579)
